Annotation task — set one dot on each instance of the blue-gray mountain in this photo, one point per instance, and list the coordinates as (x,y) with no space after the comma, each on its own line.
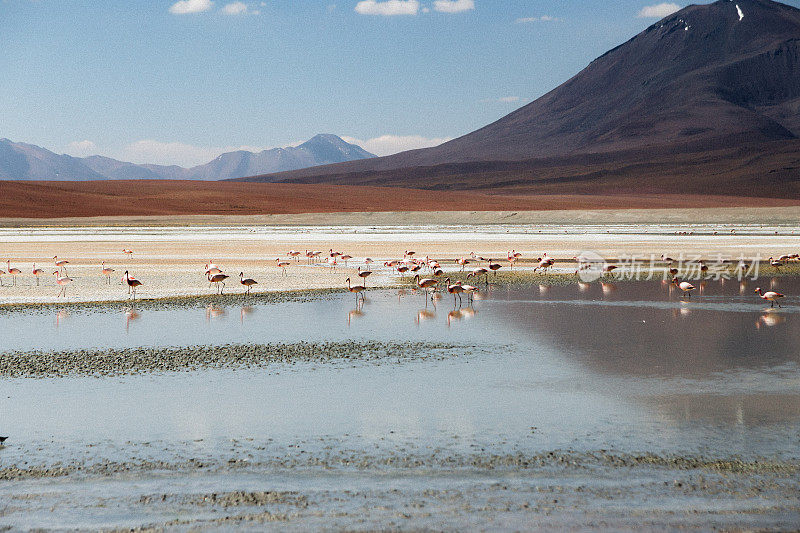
(23,161)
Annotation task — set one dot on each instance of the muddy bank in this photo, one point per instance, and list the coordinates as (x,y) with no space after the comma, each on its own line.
(115,362)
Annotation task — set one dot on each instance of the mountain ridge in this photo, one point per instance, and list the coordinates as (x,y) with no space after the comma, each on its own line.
(31,162)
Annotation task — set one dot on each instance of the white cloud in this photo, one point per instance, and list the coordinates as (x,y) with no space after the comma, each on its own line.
(190,6)
(392,144)
(235,8)
(81,148)
(543,18)
(387,7)
(453,6)
(658,10)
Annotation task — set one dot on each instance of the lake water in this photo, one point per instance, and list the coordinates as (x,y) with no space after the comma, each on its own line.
(628,367)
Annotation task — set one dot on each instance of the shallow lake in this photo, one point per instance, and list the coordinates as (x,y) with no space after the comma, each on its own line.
(628,366)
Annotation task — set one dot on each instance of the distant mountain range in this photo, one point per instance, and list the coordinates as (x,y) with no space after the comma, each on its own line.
(23,161)
(706,100)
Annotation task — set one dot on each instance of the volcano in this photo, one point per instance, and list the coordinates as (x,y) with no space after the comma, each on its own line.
(707,100)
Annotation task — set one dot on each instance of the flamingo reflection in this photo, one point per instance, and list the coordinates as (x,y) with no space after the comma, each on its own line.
(130,314)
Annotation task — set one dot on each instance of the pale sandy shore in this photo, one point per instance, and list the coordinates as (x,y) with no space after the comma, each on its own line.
(721,215)
(170,253)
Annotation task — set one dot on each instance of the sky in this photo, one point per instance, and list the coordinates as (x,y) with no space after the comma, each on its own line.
(179,82)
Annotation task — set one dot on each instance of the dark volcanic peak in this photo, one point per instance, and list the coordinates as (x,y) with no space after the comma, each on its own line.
(704,74)
(707,77)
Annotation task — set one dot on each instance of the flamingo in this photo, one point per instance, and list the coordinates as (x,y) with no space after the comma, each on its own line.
(607,269)
(513,257)
(106,271)
(356,289)
(62,281)
(294,254)
(332,262)
(127,252)
(410,252)
(426,284)
(212,268)
(454,289)
(402,269)
(363,274)
(247,282)
(775,263)
(470,290)
(345,258)
(283,265)
(13,272)
(463,261)
(368,261)
(667,259)
(218,279)
(544,263)
(685,286)
(61,263)
(132,284)
(480,271)
(772,296)
(494,266)
(37,272)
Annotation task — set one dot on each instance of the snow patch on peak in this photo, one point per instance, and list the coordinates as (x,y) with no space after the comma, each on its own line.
(739,10)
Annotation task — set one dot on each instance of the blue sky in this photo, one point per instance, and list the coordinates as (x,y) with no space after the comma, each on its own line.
(180,82)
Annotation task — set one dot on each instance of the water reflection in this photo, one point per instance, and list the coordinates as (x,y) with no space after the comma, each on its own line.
(423,315)
(130,314)
(215,311)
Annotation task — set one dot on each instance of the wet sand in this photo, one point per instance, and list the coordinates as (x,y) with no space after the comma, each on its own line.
(170,261)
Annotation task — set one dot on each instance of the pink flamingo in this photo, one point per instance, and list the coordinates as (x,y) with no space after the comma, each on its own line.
(685,286)
(13,271)
(283,265)
(37,272)
(247,282)
(218,279)
(356,289)
(61,263)
(106,271)
(62,281)
(132,284)
(771,296)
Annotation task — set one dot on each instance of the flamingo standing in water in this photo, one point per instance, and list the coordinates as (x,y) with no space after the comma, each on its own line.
(513,257)
(356,289)
(132,283)
(463,261)
(294,254)
(426,284)
(685,286)
(62,281)
(106,271)
(127,252)
(454,289)
(470,290)
(61,263)
(13,272)
(247,282)
(771,296)
(494,266)
(218,279)
(37,272)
